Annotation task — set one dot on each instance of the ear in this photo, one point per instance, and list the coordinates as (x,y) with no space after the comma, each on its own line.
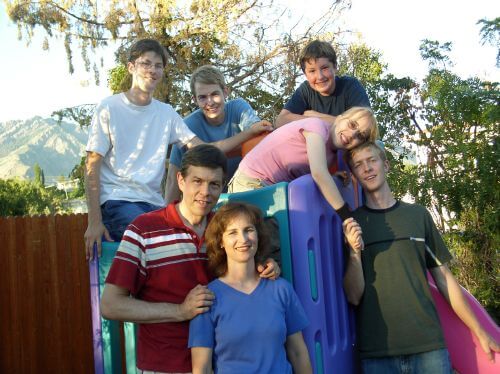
(131,67)
(180,181)
(226,92)
(387,166)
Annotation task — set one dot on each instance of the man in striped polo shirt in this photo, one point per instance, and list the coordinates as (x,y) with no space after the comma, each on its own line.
(158,277)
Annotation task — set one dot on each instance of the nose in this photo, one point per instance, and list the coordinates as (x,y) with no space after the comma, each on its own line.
(205,189)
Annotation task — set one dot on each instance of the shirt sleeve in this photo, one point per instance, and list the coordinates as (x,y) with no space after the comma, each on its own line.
(436,253)
(201,331)
(180,131)
(99,131)
(297,103)
(295,317)
(247,115)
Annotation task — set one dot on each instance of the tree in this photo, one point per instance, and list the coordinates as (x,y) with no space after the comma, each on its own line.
(39,175)
(452,124)
(19,198)
(258,54)
(490,33)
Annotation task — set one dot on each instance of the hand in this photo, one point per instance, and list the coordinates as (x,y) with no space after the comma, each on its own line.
(269,270)
(344,176)
(353,235)
(197,301)
(488,344)
(92,235)
(261,126)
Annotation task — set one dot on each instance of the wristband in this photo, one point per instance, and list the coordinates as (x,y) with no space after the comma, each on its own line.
(344,212)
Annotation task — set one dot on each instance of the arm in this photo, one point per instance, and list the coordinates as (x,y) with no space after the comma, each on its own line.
(286,116)
(116,304)
(354,281)
(226,145)
(452,292)
(95,227)
(319,170)
(201,359)
(297,353)
(172,191)
(325,117)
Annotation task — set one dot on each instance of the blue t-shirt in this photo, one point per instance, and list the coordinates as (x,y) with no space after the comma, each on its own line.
(238,116)
(248,332)
(348,92)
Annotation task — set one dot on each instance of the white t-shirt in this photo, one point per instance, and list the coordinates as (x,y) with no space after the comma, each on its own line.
(134,141)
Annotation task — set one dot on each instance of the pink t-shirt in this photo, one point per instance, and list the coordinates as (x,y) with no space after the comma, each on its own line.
(282,155)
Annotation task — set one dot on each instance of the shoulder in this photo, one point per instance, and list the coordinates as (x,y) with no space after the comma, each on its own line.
(194,118)
(111,100)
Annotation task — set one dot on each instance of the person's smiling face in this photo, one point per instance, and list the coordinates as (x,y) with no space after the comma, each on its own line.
(320,73)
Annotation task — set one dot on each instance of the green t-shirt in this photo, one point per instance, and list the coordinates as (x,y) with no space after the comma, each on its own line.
(396,315)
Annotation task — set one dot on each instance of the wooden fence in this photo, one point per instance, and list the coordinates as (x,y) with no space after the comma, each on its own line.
(45,322)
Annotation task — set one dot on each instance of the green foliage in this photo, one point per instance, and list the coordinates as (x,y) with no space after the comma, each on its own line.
(39,175)
(18,198)
(78,172)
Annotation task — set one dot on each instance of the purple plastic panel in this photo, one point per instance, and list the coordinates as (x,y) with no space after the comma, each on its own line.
(96,314)
(317,263)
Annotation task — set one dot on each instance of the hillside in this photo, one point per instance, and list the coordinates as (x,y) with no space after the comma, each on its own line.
(56,148)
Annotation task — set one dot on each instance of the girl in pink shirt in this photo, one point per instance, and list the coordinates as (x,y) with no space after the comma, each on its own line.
(306,146)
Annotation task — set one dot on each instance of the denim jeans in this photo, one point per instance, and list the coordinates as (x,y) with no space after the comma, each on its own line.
(117,214)
(432,362)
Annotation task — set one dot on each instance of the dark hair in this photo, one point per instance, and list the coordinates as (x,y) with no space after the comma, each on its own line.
(217,258)
(317,49)
(207,74)
(204,155)
(146,45)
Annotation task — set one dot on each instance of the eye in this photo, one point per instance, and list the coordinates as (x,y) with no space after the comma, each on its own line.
(353,125)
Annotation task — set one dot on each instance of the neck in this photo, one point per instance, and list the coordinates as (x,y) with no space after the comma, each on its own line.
(216,121)
(139,97)
(380,199)
(196,223)
(241,275)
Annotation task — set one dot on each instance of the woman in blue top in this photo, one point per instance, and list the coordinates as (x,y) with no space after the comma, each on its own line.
(254,325)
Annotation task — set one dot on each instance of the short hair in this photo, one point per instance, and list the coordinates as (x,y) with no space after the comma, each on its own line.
(217,258)
(146,45)
(204,155)
(375,145)
(357,112)
(317,49)
(207,74)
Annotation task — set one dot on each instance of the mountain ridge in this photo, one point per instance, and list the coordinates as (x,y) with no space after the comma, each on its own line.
(57,148)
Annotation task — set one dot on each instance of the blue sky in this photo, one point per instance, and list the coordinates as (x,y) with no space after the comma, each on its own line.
(37,82)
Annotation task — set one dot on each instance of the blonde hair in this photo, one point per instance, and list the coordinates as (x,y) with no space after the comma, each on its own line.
(377,146)
(357,112)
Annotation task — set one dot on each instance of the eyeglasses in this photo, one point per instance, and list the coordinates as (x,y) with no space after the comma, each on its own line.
(353,125)
(147,65)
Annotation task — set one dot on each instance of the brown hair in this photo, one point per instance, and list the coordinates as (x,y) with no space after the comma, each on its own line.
(207,74)
(217,258)
(317,49)
(146,45)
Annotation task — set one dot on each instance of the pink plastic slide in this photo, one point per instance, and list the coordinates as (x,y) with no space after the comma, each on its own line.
(467,356)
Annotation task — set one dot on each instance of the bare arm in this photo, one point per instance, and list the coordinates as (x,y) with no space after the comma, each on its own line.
(201,360)
(452,292)
(319,170)
(172,191)
(354,281)
(227,145)
(297,354)
(116,304)
(95,227)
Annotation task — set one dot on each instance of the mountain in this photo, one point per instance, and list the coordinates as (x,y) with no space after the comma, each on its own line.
(57,148)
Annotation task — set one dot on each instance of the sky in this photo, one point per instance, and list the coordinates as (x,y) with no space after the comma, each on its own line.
(37,82)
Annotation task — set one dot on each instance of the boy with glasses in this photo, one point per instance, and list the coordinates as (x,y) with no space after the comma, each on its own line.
(127,147)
